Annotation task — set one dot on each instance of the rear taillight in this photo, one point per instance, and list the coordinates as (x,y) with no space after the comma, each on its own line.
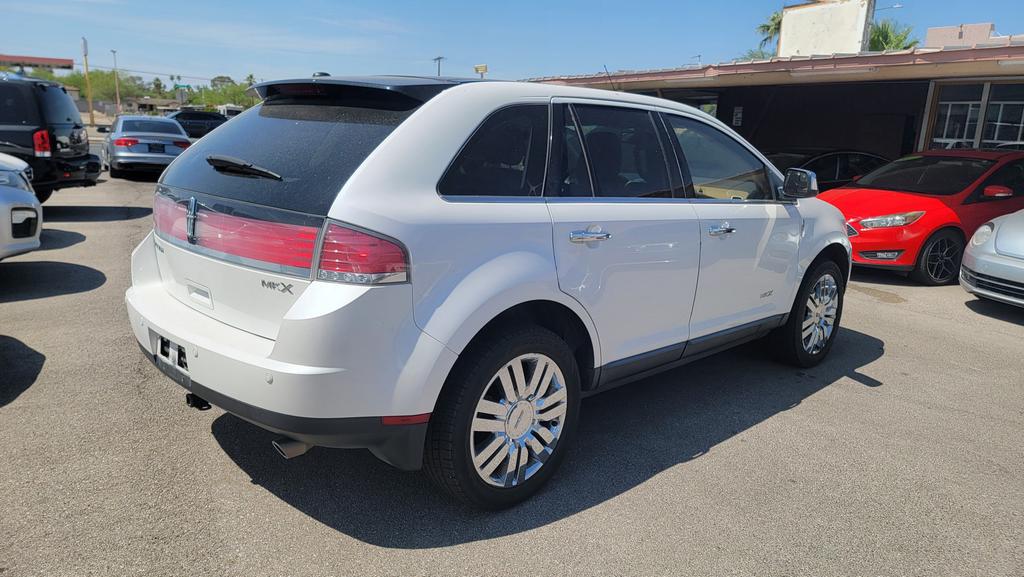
(354,256)
(182,143)
(126,142)
(287,248)
(41,143)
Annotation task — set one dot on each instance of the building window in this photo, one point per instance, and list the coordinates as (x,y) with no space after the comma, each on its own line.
(956,118)
(1004,117)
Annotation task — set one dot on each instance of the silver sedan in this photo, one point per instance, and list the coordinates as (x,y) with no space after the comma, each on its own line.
(142,143)
(993,264)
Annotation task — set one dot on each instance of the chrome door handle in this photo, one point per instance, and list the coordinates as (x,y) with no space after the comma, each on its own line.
(722,230)
(588,236)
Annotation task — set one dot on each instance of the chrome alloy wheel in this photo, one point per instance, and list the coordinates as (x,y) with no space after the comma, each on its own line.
(518,420)
(820,314)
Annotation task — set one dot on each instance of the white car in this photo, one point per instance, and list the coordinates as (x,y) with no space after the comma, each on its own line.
(439,270)
(21,215)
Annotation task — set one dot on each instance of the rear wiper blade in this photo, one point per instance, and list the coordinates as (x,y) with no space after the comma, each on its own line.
(237,165)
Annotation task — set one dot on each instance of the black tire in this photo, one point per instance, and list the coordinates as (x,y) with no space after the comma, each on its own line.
(44,194)
(448,455)
(938,263)
(789,339)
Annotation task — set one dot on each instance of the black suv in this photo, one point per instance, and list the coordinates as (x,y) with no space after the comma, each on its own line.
(196,122)
(40,124)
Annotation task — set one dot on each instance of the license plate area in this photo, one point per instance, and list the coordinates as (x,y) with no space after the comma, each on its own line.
(159,148)
(171,359)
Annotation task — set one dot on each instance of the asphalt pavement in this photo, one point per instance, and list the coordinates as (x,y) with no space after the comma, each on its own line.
(901,454)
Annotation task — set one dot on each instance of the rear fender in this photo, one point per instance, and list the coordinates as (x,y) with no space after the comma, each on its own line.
(493,288)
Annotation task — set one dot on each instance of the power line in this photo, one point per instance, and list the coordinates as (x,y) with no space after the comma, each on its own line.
(121,69)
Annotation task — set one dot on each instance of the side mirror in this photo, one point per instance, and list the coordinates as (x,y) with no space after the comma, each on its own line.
(103,129)
(856,178)
(800,183)
(997,191)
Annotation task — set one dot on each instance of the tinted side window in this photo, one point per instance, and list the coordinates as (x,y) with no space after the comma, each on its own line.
(16,107)
(852,165)
(625,154)
(1012,176)
(825,167)
(58,106)
(504,157)
(567,173)
(719,166)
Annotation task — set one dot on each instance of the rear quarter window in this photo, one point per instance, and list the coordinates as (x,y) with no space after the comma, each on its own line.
(314,146)
(58,106)
(17,106)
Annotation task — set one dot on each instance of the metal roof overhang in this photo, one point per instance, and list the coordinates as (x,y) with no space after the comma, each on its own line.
(1005,60)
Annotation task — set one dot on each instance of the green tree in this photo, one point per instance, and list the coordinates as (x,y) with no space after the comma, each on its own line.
(158,86)
(770,29)
(891,35)
(756,54)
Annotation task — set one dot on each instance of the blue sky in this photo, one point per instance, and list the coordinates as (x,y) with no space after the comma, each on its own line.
(517,39)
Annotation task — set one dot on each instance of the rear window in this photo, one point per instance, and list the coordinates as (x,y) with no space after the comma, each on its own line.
(58,106)
(941,175)
(163,127)
(314,145)
(16,107)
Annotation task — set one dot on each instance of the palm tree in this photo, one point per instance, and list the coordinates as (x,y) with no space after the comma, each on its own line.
(891,35)
(770,29)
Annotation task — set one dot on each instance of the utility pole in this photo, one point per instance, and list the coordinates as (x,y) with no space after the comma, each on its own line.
(117,85)
(88,85)
(438,60)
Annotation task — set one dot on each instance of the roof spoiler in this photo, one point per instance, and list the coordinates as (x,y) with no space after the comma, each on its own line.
(402,92)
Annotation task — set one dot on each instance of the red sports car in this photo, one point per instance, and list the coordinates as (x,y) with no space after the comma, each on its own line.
(916,214)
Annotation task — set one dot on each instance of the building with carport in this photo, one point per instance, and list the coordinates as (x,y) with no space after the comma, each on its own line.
(886,103)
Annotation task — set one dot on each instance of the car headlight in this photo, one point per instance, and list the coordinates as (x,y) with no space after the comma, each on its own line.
(15,179)
(891,220)
(982,235)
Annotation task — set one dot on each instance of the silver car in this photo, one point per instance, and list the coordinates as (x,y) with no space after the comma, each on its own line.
(142,143)
(21,216)
(993,264)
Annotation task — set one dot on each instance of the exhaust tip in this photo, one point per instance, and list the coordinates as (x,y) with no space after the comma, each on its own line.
(290,448)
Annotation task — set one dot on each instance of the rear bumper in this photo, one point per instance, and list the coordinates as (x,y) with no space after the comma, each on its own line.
(398,445)
(328,378)
(55,173)
(138,161)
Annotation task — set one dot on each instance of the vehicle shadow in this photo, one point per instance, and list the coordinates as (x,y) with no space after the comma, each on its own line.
(997,310)
(54,239)
(23,281)
(631,434)
(93,213)
(19,367)
(880,276)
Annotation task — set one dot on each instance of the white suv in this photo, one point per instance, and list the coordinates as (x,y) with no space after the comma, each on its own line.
(439,270)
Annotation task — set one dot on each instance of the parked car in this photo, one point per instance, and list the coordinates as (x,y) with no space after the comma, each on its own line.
(21,215)
(915,214)
(142,143)
(196,122)
(833,168)
(40,124)
(993,265)
(432,283)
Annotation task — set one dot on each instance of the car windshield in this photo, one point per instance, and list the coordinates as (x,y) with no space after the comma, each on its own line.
(161,126)
(58,106)
(941,175)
